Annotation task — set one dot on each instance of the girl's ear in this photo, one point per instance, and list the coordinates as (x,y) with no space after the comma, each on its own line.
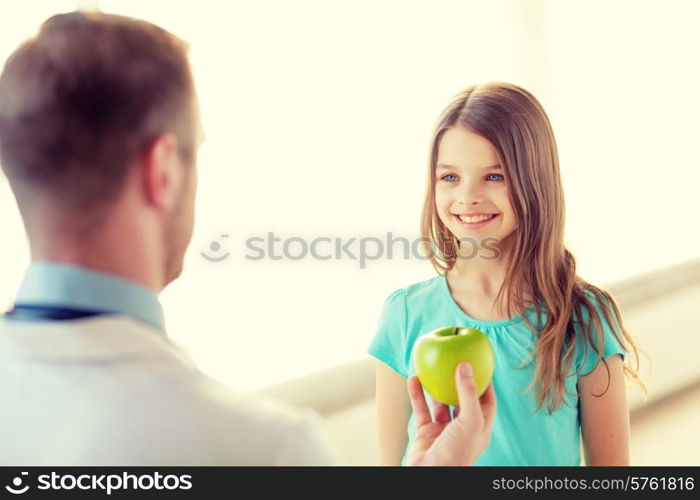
(161,172)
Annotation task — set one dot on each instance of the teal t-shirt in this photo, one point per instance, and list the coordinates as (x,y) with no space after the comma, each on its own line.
(521,436)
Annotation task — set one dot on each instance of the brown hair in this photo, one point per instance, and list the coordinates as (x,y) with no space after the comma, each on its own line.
(515,123)
(81,100)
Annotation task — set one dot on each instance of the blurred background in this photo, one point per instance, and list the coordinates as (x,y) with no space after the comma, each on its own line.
(318,118)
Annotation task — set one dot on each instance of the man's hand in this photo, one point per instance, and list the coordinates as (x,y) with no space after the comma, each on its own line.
(445,441)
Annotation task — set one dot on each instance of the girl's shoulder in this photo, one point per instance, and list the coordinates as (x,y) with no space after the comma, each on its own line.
(419,291)
(597,327)
(590,295)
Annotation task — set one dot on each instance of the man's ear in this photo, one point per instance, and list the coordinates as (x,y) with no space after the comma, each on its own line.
(160,172)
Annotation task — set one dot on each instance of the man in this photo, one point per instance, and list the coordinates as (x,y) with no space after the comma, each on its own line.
(99,130)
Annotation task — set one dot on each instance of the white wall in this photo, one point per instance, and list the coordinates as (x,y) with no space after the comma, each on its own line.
(625,111)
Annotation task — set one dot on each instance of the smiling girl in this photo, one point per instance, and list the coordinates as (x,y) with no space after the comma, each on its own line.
(494,213)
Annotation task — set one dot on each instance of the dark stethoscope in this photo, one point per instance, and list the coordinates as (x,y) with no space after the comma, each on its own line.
(26,312)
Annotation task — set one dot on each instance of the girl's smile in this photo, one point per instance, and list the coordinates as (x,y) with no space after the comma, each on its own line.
(474,221)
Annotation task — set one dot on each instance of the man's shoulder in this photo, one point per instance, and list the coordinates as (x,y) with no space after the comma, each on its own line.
(242,427)
(255,409)
(145,389)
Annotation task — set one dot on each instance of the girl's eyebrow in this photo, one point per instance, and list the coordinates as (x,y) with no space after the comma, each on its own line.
(446,166)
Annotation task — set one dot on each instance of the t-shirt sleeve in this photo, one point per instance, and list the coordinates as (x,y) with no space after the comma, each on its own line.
(586,355)
(389,343)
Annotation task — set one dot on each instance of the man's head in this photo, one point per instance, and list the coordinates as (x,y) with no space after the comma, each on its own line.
(99,129)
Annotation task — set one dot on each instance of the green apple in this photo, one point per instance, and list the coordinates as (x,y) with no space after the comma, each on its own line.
(437,354)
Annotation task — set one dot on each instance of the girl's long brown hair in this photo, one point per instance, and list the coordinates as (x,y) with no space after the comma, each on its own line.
(515,123)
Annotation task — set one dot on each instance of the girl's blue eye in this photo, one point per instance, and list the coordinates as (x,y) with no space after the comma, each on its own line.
(453,177)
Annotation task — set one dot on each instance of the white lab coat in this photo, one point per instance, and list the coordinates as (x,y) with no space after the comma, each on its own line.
(113,391)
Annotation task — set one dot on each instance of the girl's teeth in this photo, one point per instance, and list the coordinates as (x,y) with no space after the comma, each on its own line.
(472,220)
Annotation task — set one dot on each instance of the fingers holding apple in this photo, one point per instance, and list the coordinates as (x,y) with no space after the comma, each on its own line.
(459,441)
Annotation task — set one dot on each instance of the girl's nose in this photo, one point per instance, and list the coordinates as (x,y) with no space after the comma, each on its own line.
(470,194)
